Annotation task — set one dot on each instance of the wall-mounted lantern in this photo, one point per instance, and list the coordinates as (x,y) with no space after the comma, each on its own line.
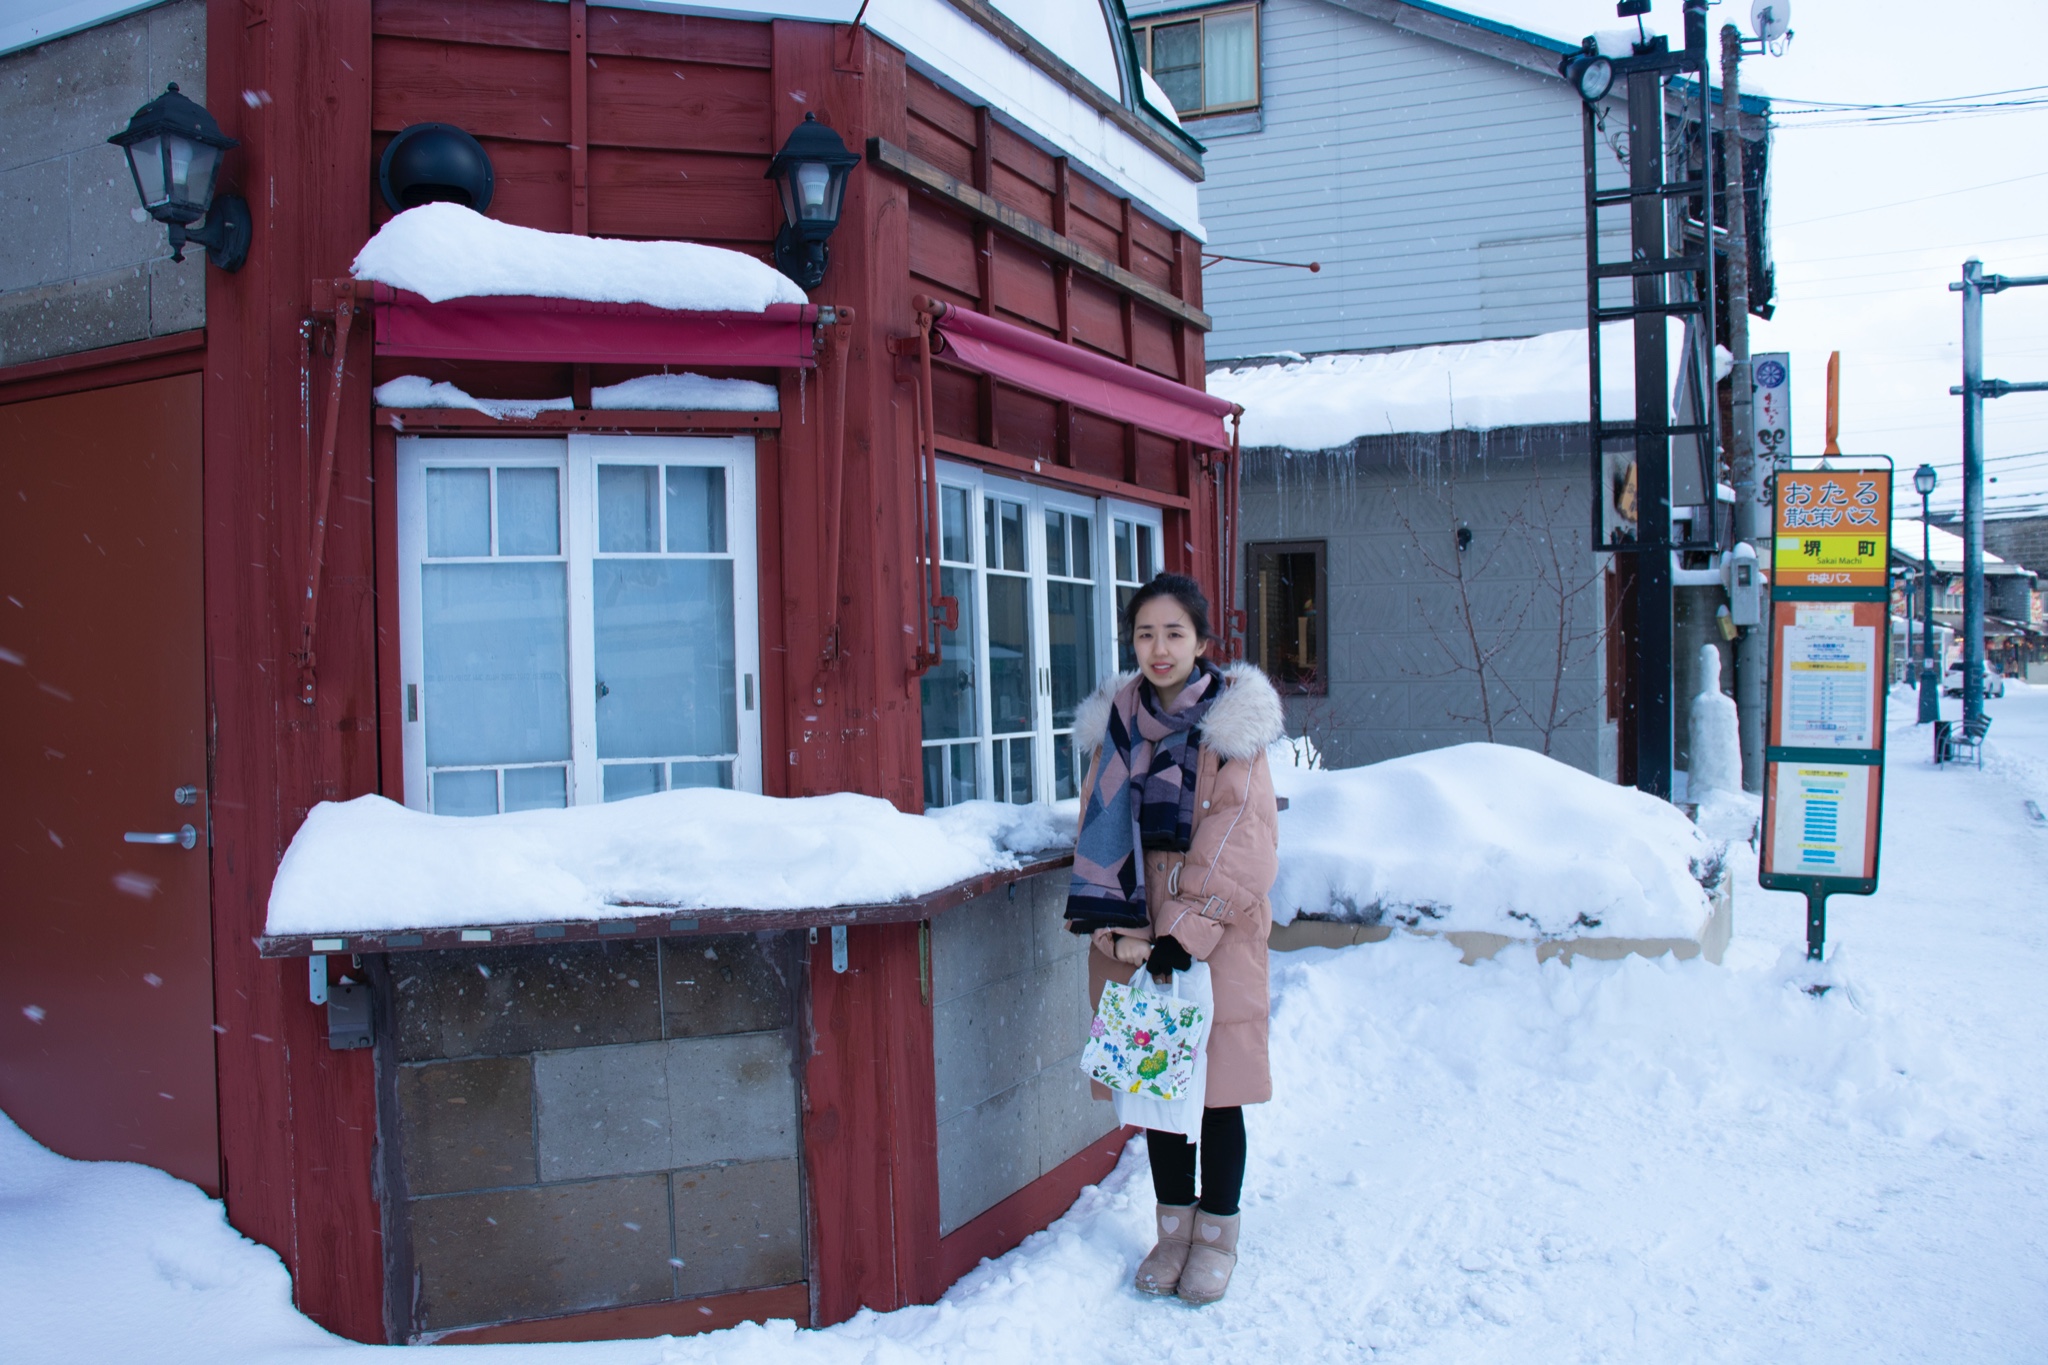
(810,172)
(174,149)
(435,163)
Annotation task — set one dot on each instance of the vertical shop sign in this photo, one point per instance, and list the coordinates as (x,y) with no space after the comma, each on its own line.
(1771,404)
(1830,630)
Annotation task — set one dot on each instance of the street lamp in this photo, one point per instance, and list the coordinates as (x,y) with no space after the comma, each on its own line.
(810,173)
(174,149)
(1924,479)
(1591,74)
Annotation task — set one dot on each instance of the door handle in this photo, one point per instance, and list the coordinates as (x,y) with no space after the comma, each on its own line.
(184,837)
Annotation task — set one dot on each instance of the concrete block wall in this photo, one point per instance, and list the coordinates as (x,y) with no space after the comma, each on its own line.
(592,1126)
(1398,660)
(79,270)
(1010,1012)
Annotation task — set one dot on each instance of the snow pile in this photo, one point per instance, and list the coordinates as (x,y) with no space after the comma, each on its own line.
(1488,837)
(371,864)
(1332,400)
(1715,734)
(417,391)
(446,251)
(686,393)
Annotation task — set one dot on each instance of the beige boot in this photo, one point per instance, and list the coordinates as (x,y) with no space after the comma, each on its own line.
(1159,1273)
(1210,1259)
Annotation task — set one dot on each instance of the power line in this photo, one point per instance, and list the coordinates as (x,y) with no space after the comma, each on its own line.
(1917,199)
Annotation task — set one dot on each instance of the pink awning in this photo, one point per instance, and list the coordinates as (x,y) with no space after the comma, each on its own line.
(511,327)
(1040,364)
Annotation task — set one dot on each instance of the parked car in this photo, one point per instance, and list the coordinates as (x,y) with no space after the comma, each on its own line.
(1994,681)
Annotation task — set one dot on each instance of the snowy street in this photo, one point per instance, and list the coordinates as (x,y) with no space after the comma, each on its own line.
(1636,1161)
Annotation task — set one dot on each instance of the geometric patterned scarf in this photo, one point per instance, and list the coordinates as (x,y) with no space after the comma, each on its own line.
(1144,798)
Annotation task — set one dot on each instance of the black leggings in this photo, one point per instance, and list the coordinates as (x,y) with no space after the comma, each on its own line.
(1173,1163)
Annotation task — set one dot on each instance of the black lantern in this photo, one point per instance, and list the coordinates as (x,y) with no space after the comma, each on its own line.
(810,172)
(174,149)
(1591,74)
(1924,479)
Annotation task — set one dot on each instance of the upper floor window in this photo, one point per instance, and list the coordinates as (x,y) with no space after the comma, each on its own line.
(577,619)
(1041,576)
(1207,62)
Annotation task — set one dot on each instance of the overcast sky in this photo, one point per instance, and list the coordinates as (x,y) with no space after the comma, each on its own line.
(1871,220)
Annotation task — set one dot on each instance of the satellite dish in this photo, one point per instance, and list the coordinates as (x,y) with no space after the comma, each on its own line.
(1770,19)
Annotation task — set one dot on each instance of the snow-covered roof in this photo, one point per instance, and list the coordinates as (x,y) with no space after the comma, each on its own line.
(1945,548)
(447,251)
(1332,400)
(1488,837)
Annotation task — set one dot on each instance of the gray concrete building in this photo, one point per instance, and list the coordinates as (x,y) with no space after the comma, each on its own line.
(83,266)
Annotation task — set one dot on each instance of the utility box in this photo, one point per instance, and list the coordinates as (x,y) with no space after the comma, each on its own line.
(1744,580)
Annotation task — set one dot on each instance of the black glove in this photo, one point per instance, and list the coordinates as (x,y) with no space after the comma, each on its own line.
(1168,957)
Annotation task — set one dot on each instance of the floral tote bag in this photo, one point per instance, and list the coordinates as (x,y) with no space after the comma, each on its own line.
(1148,1045)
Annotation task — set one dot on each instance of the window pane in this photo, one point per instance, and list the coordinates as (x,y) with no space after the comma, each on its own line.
(1013,770)
(1177,63)
(1009,653)
(703,773)
(536,788)
(950,711)
(529,512)
(696,510)
(1126,553)
(458,512)
(665,657)
(466,793)
(953,536)
(1066,782)
(964,777)
(1056,543)
(1126,657)
(1288,644)
(1084,545)
(1010,524)
(934,776)
(1070,626)
(625,780)
(626,510)
(1148,558)
(497,662)
(1230,59)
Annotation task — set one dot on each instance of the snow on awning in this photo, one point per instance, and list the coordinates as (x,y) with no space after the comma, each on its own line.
(1040,364)
(453,284)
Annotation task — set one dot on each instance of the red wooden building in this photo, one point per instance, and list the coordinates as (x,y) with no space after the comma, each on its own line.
(987,427)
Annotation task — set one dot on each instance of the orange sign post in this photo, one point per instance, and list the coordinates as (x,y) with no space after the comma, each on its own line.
(1830,638)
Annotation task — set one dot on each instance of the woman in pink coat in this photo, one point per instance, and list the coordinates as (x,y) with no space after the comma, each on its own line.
(1178,847)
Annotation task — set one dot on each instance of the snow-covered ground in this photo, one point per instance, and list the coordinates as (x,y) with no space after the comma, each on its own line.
(1635,1161)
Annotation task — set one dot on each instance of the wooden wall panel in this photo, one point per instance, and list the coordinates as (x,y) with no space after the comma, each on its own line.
(956,403)
(678,37)
(1097,316)
(1023,285)
(953,155)
(691,195)
(492,23)
(489,91)
(1027,424)
(925,101)
(1152,343)
(942,247)
(1159,463)
(680,106)
(1020,193)
(1098,445)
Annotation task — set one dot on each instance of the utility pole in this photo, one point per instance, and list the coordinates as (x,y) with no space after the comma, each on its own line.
(1752,659)
(1653,443)
(1974,389)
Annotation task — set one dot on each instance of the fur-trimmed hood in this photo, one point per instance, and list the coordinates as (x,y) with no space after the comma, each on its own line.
(1241,722)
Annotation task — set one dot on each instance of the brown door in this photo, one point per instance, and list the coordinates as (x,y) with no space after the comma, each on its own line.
(106,976)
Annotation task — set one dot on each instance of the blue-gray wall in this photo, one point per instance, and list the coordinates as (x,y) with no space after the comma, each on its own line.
(77,271)
(1439,186)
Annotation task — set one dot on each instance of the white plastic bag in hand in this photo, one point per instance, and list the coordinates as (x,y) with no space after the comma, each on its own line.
(1149,1044)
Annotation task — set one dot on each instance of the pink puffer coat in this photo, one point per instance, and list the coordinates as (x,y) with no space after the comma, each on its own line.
(1213,897)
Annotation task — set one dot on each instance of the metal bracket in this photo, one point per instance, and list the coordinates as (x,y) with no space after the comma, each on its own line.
(839,948)
(348,1016)
(316,978)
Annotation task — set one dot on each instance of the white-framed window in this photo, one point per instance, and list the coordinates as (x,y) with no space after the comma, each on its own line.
(578,619)
(1040,575)
(1207,62)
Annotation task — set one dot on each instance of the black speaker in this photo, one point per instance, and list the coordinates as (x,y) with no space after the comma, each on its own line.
(433,163)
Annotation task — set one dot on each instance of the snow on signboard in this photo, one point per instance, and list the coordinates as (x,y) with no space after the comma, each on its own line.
(446,251)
